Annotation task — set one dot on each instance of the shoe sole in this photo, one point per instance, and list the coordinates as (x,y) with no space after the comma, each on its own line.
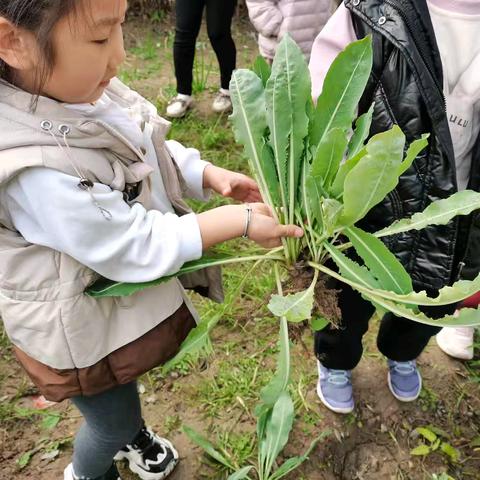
(225,110)
(344,410)
(404,399)
(120,456)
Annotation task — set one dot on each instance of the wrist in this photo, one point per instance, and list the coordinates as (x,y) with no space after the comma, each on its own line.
(207,176)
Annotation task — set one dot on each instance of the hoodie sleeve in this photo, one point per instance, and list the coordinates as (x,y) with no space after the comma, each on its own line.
(335,36)
(265,16)
(136,245)
(192,168)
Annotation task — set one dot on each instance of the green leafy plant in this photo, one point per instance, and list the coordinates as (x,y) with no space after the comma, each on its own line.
(433,440)
(317,166)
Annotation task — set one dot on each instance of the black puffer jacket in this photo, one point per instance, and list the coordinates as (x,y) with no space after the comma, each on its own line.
(406,86)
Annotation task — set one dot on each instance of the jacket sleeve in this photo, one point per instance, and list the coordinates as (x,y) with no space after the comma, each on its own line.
(335,36)
(135,245)
(192,167)
(265,16)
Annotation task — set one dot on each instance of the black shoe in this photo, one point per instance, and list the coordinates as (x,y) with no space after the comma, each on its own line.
(149,456)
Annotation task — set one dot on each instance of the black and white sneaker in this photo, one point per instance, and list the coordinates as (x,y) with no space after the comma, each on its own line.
(149,456)
(112,474)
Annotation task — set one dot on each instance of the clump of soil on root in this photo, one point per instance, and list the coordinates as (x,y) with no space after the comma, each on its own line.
(325,299)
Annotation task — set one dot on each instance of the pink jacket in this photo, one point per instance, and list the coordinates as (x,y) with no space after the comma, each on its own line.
(302,19)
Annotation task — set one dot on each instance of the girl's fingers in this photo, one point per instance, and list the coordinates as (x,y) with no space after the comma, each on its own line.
(290,231)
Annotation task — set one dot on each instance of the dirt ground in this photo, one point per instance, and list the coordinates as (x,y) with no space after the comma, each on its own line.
(217,396)
(373,443)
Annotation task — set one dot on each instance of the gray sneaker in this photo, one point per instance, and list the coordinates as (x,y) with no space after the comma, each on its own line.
(334,389)
(404,380)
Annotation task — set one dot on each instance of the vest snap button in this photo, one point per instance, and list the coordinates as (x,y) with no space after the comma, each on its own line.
(356,3)
(382,20)
(143,150)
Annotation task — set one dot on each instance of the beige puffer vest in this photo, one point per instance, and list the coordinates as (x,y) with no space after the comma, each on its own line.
(42,301)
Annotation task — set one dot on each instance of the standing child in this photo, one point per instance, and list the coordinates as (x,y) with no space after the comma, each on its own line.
(426,79)
(302,19)
(89,187)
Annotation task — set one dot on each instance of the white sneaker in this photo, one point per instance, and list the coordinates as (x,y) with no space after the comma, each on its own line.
(178,106)
(68,473)
(222,102)
(112,474)
(457,342)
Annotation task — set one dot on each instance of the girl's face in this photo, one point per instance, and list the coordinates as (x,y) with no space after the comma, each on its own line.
(88,48)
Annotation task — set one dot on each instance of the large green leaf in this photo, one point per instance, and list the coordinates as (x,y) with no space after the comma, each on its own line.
(380,261)
(311,210)
(293,463)
(241,474)
(446,296)
(262,69)
(277,432)
(287,93)
(295,307)
(342,89)
(336,189)
(332,211)
(413,150)
(437,213)
(374,176)
(466,317)
(351,269)
(109,288)
(361,132)
(198,340)
(249,124)
(279,383)
(202,442)
(328,157)
(313,196)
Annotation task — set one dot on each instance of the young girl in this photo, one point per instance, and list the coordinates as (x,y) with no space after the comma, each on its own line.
(89,187)
(302,19)
(426,79)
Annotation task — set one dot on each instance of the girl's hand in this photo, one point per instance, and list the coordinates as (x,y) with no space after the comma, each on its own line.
(231,184)
(265,230)
(228,222)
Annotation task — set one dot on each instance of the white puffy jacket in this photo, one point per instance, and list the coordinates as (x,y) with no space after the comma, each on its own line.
(302,19)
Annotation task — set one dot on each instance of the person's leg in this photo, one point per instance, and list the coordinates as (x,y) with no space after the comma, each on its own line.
(219,26)
(402,340)
(112,420)
(341,347)
(188,22)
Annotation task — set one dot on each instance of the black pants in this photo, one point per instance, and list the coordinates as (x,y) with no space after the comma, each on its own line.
(219,22)
(398,338)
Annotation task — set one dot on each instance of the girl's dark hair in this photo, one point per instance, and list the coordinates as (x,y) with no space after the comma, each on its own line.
(40,18)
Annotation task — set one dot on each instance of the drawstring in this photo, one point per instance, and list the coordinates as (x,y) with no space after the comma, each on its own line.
(85,183)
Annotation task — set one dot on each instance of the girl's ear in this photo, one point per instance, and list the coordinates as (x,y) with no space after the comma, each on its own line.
(17,46)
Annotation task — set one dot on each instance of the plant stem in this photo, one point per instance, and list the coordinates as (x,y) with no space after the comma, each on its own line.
(278,279)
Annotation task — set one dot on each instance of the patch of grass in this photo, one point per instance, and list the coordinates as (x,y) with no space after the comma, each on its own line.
(235,385)
(428,399)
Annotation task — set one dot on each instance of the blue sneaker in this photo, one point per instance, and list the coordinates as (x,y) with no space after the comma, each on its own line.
(334,389)
(404,380)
